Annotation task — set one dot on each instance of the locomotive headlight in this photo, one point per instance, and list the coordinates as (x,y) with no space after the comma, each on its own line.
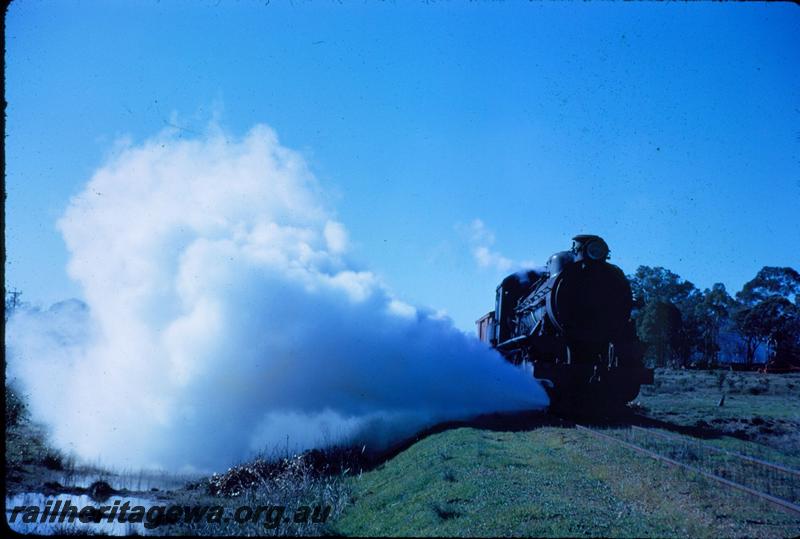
(597,250)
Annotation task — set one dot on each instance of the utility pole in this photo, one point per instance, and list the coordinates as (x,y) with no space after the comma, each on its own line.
(12,302)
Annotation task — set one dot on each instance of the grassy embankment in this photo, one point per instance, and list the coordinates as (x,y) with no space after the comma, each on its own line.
(553,481)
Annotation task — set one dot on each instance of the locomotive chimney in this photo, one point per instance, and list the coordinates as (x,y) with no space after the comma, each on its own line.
(589,247)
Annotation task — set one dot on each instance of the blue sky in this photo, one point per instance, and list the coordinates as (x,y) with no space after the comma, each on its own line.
(673,130)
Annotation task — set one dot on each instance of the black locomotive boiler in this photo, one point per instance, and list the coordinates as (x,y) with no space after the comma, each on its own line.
(571,321)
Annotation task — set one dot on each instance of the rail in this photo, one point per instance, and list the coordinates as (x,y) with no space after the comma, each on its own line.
(785,504)
(748,458)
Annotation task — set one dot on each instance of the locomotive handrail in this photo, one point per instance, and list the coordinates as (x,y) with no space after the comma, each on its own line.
(534,298)
(512,342)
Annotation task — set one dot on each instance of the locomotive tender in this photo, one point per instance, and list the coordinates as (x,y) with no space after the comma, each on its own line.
(571,321)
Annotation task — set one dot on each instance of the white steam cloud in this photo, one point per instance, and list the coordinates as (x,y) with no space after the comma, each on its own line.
(223,318)
(481,241)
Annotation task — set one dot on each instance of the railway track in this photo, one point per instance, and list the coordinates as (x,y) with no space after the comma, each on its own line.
(769,481)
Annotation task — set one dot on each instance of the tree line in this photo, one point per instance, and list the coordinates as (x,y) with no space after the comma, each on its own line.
(683,326)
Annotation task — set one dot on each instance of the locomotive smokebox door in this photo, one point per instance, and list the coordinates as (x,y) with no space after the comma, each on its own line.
(590,302)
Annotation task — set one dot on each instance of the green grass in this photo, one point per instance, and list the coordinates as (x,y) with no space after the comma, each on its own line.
(552,482)
(760,415)
(556,482)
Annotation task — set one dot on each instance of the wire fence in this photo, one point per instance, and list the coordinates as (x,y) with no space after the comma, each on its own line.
(754,473)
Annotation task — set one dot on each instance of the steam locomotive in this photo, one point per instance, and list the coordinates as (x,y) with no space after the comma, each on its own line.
(571,321)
